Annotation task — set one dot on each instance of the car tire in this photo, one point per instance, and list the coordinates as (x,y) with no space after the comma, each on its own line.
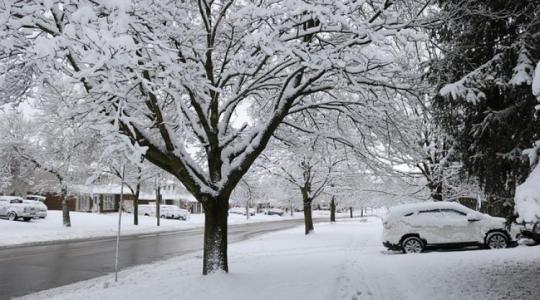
(27,219)
(412,244)
(162,216)
(12,216)
(497,240)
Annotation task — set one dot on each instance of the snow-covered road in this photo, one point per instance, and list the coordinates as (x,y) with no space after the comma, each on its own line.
(340,261)
(94,225)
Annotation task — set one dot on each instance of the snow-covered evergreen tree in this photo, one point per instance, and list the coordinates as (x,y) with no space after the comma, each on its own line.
(487,51)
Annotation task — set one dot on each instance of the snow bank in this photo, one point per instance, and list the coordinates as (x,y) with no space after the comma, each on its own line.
(527,198)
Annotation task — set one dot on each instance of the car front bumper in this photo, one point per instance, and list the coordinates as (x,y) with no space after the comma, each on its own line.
(27,215)
(391,246)
(41,215)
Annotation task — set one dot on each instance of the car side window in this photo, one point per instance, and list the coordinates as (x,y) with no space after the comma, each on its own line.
(452,212)
(429,212)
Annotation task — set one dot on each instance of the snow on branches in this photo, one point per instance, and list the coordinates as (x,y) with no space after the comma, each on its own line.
(170,76)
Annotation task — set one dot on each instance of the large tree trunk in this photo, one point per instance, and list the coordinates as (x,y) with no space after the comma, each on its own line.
(332,210)
(66,220)
(215,235)
(308,219)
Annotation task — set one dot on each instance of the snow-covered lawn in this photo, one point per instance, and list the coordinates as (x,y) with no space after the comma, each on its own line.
(340,261)
(90,225)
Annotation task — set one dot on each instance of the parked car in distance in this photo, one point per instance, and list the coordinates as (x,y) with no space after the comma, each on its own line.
(14,208)
(412,228)
(147,210)
(165,211)
(40,206)
(173,212)
(274,211)
(241,211)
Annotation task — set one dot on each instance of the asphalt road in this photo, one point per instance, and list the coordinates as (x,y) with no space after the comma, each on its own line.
(29,269)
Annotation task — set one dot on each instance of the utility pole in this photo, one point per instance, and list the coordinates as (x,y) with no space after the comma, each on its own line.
(158,198)
(119,224)
(247,209)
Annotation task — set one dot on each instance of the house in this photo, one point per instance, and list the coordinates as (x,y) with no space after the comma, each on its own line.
(104,198)
(173,194)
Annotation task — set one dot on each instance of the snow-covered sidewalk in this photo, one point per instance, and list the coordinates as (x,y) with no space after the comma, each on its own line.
(93,225)
(340,261)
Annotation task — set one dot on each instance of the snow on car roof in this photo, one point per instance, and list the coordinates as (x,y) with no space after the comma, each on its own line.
(412,207)
(10,198)
(36,196)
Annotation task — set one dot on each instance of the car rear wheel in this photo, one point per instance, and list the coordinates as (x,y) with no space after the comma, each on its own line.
(12,216)
(27,219)
(163,216)
(412,244)
(497,240)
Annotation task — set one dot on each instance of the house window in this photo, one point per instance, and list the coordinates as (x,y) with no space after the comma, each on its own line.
(108,202)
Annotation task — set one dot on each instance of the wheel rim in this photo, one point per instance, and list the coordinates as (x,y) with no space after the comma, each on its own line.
(11,217)
(413,246)
(497,242)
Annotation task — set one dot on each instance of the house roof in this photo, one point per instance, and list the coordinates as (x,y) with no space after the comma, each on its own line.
(114,189)
(151,196)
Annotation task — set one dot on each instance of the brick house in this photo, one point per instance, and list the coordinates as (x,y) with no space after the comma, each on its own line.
(104,198)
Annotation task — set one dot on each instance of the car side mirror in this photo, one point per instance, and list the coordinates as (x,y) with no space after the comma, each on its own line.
(473,217)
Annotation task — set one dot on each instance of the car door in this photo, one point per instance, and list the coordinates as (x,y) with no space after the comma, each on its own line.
(426,224)
(455,227)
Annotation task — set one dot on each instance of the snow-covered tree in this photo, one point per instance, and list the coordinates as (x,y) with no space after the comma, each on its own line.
(16,175)
(169,77)
(486,53)
(62,151)
(309,164)
(527,198)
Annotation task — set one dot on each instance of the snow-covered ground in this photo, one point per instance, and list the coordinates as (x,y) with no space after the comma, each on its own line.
(91,225)
(339,261)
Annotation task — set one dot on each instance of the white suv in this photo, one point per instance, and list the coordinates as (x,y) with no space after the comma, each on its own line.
(173,212)
(166,211)
(413,227)
(13,208)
